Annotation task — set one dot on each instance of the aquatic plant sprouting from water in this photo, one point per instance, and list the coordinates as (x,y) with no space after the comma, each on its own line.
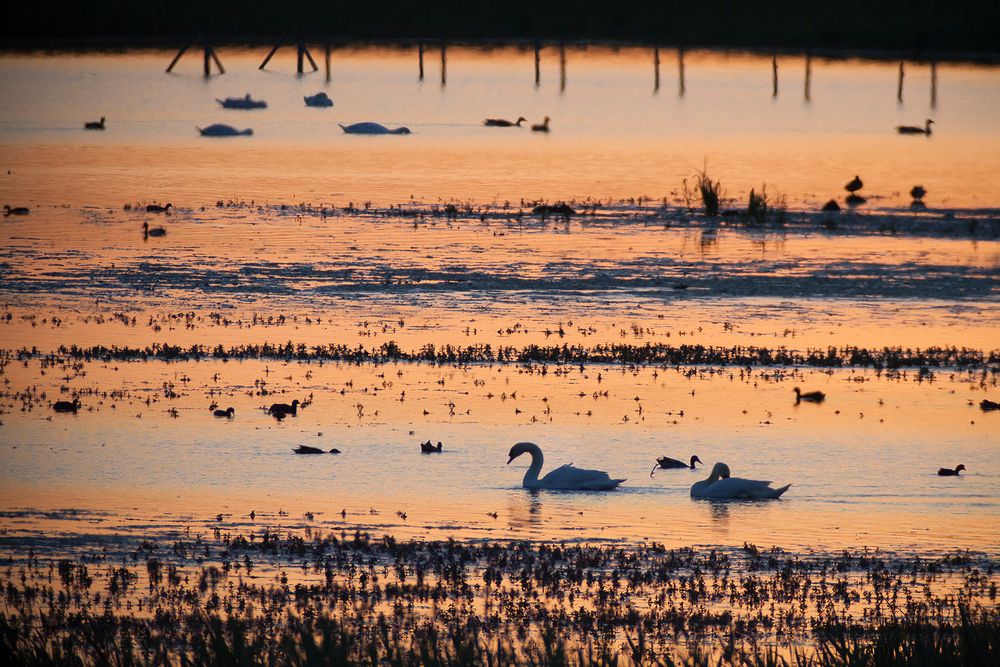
(711,192)
(756,212)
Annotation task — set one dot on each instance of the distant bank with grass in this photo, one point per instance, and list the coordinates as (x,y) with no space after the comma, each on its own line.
(969,27)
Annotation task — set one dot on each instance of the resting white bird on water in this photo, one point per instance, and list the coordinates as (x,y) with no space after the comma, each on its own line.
(563,477)
(372,128)
(720,486)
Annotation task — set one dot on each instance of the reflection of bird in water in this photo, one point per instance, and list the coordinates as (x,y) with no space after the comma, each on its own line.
(913,129)
(951,472)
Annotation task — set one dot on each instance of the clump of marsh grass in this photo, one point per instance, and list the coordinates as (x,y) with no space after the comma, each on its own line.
(711,192)
(757,206)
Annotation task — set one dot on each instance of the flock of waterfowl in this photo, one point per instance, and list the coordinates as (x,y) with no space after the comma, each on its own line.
(720,485)
(319,100)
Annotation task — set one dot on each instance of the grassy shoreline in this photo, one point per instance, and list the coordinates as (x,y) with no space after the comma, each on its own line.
(304,598)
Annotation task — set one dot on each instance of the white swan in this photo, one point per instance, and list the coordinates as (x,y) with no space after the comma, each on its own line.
(720,486)
(320,99)
(372,128)
(563,477)
(220,130)
(245,102)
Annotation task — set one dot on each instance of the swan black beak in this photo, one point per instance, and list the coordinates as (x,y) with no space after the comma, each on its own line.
(510,459)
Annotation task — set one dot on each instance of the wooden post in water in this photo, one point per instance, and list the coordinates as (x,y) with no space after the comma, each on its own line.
(933,84)
(326,60)
(681,88)
(444,63)
(562,67)
(215,59)
(420,58)
(303,51)
(899,86)
(538,64)
(774,75)
(207,61)
(656,69)
(270,55)
(808,75)
(180,53)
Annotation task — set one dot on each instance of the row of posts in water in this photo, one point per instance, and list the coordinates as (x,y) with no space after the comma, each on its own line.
(210,57)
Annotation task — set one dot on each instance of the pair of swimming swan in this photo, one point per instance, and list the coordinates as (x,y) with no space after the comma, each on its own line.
(719,486)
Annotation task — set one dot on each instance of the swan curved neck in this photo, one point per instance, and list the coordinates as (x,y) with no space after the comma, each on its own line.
(537,460)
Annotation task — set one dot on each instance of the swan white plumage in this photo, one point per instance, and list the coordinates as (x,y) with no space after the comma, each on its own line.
(720,486)
(563,477)
(372,128)
(320,99)
(220,130)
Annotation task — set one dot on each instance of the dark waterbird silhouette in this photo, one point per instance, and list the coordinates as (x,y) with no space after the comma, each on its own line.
(831,207)
(951,472)
(987,405)
(854,184)
(306,449)
(16,210)
(668,463)
(148,231)
(562,208)
(228,413)
(915,129)
(156,208)
(428,448)
(810,396)
(67,406)
(501,122)
(284,408)
(544,127)
(95,126)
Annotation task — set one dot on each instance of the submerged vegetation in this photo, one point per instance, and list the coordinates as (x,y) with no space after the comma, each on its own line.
(265,598)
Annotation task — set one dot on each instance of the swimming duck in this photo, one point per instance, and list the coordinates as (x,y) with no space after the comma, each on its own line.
(148,231)
(67,406)
(16,210)
(228,413)
(156,208)
(245,102)
(544,127)
(951,472)
(94,126)
(372,128)
(667,463)
(220,130)
(428,448)
(810,396)
(320,99)
(854,184)
(502,122)
(306,449)
(987,405)
(913,129)
(284,409)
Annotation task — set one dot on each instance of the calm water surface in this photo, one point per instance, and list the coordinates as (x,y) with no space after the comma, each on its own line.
(862,465)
